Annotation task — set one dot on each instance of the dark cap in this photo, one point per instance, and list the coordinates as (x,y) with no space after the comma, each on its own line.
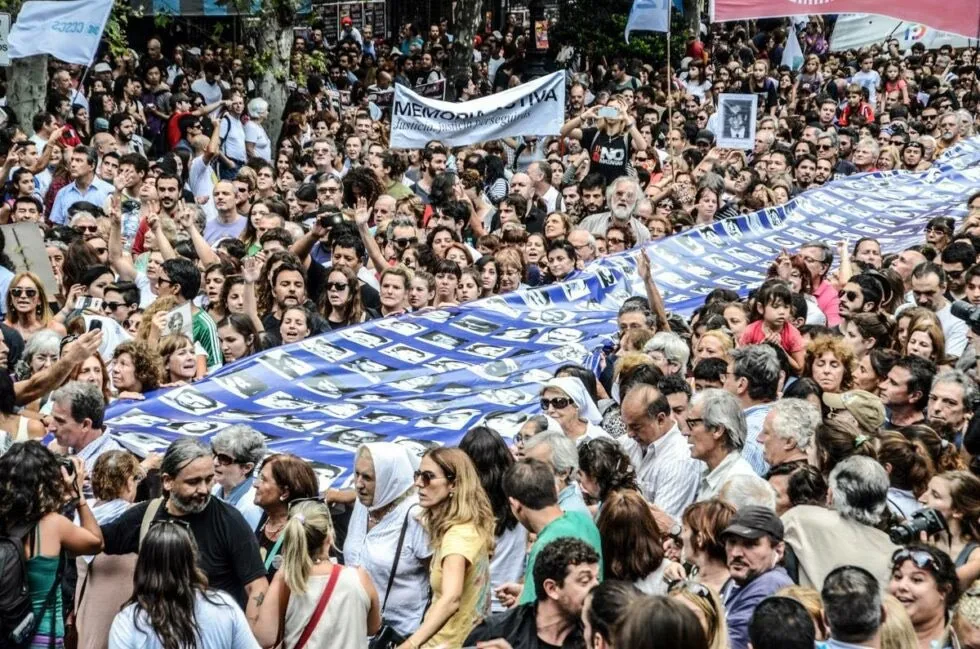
(753,522)
(306,193)
(705,135)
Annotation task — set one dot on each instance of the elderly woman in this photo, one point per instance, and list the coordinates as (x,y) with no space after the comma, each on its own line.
(237,450)
(43,349)
(105,581)
(385,538)
(568,402)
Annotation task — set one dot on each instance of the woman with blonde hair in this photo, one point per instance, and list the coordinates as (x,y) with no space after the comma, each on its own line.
(460,523)
(713,343)
(27,307)
(706,604)
(897,631)
(810,599)
(326,605)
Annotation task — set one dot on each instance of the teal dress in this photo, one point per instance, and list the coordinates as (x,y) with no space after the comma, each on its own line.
(42,571)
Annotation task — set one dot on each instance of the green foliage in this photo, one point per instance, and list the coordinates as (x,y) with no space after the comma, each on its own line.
(597,28)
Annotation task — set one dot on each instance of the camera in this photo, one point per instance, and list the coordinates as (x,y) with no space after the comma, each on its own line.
(968,313)
(926,520)
(68,464)
(331,220)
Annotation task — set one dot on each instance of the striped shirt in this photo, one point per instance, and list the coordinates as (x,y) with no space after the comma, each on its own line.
(206,335)
(667,473)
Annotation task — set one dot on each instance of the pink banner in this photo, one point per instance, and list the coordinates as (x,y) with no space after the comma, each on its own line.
(956,16)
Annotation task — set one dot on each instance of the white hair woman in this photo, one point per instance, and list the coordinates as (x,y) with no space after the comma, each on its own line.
(257,142)
(237,451)
(567,401)
(385,538)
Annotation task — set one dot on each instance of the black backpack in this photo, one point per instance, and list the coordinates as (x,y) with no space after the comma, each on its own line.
(17,622)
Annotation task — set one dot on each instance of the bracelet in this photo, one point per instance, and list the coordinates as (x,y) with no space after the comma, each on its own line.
(81,503)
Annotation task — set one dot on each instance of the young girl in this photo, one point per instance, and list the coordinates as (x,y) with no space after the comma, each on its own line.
(894,81)
(773,306)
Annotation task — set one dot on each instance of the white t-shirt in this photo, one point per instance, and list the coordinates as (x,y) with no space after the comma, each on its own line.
(233,138)
(200,180)
(222,626)
(255,134)
(210,91)
(870,80)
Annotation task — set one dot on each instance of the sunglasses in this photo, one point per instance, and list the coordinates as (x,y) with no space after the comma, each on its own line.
(824,147)
(920,558)
(112,306)
(86,228)
(850,295)
(425,478)
(336,286)
(404,243)
(559,403)
(224,459)
(20,292)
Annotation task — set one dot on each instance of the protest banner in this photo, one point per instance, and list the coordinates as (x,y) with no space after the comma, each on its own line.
(24,246)
(533,108)
(854,31)
(69,30)
(426,378)
(956,16)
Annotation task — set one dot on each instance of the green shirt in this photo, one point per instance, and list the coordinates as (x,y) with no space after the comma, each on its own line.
(206,335)
(572,524)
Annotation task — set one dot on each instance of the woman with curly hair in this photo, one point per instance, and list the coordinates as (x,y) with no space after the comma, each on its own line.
(605,468)
(830,362)
(137,368)
(34,486)
(172,606)
(460,523)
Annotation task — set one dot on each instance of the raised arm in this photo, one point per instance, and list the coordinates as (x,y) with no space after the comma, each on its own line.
(653,293)
(120,260)
(186,220)
(361,217)
(577,121)
(251,272)
(48,379)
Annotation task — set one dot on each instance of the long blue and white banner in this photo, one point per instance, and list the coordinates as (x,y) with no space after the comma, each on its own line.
(426,378)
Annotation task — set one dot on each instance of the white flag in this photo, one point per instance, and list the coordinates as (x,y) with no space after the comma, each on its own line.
(68,30)
(649,16)
(792,53)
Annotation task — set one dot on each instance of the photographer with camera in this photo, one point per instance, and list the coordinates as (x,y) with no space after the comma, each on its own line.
(955,496)
(821,538)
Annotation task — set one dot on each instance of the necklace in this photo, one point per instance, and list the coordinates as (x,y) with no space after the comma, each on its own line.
(375,517)
(272,531)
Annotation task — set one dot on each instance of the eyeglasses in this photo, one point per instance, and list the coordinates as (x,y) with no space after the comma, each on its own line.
(337,286)
(425,478)
(692,587)
(164,280)
(850,295)
(929,117)
(922,559)
(224,459)
(20,292)
(404,243)
(86,228)
(824,147)
(559,403)
(112,306)
(616,241)
(692,422)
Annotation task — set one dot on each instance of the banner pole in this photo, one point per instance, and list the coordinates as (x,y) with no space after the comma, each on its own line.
(670,88)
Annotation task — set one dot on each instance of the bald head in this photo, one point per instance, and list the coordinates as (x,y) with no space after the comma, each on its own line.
(646,414)
(521,183)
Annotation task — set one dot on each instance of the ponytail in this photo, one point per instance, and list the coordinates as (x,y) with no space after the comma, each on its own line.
(308,527)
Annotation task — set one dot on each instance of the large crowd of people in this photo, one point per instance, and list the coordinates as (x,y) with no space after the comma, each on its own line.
(792,466)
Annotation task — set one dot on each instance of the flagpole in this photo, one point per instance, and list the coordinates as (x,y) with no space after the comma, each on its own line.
(670,91)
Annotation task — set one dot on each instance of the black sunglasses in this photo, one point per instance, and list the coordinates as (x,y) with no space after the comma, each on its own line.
(19,292)
(112,306)
(337,286)
(425,478)
(850,295)
(404,243)
(224,459)
(559,403)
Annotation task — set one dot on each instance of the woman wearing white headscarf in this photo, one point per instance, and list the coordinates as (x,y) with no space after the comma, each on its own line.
(566,400)
(386,503)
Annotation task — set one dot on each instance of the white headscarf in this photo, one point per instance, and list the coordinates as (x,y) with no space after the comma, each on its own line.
(394,473)
(576,391)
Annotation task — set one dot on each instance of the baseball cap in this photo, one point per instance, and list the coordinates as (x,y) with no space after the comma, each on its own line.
(866,408)
(706,136)
(346,20)
(196,51)
(101,68)
(754,522)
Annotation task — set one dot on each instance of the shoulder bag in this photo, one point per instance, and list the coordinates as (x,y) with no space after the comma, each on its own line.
(387,637)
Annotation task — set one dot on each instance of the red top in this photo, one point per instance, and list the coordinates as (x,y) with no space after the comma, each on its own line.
(790,338)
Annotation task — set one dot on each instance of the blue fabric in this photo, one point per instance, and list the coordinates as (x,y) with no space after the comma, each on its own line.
(740,605)
(424,379)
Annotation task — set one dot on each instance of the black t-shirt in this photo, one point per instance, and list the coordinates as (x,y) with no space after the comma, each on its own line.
(370,298)
(227,550)
(608,155)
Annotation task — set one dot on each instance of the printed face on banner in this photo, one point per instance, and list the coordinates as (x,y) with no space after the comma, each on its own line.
(188,399)
(285,365)
(737,116)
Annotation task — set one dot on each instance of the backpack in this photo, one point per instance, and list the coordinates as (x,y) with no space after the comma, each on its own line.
(17,621)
